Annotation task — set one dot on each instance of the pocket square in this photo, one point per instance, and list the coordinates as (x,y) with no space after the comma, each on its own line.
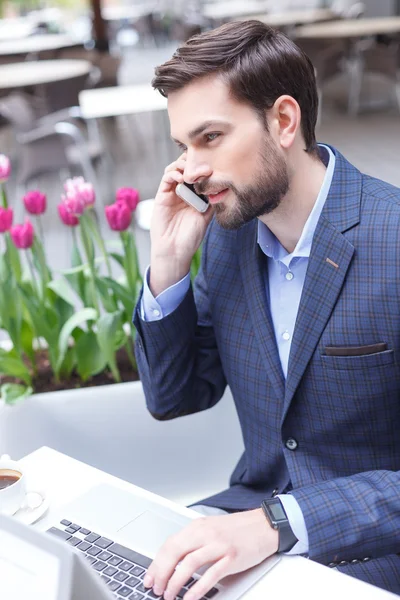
(355,350)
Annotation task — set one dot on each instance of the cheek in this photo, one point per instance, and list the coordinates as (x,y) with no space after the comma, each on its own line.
(241,157)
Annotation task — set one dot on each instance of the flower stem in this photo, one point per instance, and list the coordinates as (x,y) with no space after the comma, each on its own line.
(4,196)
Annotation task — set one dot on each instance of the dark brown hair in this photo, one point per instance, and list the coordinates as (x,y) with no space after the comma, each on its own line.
(257,62)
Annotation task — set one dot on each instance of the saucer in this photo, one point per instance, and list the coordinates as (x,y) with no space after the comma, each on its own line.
(35,509)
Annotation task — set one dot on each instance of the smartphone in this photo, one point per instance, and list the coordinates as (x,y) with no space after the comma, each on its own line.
(187,193)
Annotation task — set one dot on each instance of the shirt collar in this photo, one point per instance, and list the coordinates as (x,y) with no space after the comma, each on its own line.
(269,243)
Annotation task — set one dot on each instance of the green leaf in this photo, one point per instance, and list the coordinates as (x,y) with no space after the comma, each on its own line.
(123,295)
(39,259)
(27,337)
(68,363)
(107,298)
(108,327)
(14,392)
(118,257)
(14,367)
(90,358)
(13,258)
(63,290)
(82,316)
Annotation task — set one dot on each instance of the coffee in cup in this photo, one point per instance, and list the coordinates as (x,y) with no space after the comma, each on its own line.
(8,477)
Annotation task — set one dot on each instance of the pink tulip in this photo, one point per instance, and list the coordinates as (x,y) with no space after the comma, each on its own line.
(22,235)
(35,202)
(79,188)
(128,195)
(5,168)
(73,203)
(67,217)
(118,216)
(6,217)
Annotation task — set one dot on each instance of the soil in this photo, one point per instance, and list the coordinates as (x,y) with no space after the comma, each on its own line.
(44,381)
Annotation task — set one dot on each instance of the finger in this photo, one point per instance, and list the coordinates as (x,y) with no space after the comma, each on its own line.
(190,564)
(210,578)
(173,177)
(178,164)
(164,564)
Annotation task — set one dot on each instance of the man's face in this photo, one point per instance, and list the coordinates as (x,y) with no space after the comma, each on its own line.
(230,156)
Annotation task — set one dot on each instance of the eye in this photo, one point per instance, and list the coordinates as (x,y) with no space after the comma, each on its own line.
(210,137)
(182,147)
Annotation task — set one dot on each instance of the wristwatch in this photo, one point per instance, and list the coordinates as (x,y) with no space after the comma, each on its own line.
(275,514)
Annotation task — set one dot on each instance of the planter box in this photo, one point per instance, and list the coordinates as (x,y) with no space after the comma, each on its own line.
(110,428)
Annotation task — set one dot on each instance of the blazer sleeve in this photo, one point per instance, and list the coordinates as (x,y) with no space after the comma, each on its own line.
(352,517)
(178,359)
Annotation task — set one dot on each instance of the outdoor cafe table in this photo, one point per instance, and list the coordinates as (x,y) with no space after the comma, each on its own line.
(32,73)
(350,28)
(37,43)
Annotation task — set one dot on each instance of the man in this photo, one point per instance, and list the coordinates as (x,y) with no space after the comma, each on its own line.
(296,308)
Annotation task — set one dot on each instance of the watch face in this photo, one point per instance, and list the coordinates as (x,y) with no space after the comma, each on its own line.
(277,512)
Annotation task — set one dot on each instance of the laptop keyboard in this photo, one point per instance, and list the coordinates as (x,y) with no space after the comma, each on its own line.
(121,568)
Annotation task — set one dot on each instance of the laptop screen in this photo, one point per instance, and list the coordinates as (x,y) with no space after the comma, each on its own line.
(27,571)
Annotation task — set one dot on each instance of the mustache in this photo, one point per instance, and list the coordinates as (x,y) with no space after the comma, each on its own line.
(207,187)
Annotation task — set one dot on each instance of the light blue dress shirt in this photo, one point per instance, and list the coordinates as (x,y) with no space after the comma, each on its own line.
(286,275)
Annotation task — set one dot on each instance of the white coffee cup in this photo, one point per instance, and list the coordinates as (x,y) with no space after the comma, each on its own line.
(15,495)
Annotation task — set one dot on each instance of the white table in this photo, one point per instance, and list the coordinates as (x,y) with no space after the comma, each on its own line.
(120,100)
(350,28)
(64,479)
(292,17)
(119,13)
(235,8)
(37,43)
(18,75)
(13,29)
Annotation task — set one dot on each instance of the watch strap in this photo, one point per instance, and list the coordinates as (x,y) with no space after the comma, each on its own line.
(287,539)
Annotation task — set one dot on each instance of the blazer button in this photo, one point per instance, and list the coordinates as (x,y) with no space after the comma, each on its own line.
(291,444)
(332,565)
(355,561)
(343,563)
(366,559)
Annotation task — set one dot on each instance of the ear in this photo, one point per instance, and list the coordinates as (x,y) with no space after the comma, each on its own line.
(286,116)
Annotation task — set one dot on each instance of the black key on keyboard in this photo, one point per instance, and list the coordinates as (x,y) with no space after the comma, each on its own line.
(125,566)
(136,596)
(103,542)
(70,530)
(121,576)
(84,531)
(84,546)
(74,541)
(152,595)
(136,571)
(140,588)
(99,565)
(92,537)
(211,593)
(104,555)
(110,571)
(124,591)
(74,526)
(59,533)
(90,559)
(93,551)
(106,579)
(131,555)
(132,581)
(65,522)
(113,585)
(114,561)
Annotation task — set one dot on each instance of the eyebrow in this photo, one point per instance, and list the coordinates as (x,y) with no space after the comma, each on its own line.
(199,130)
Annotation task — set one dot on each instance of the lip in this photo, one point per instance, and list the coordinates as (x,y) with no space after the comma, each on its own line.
(215,198)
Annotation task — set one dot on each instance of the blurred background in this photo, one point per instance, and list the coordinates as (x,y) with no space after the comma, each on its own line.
(76,99)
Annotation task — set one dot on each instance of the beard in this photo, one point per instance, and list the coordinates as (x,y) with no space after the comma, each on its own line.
(270,185)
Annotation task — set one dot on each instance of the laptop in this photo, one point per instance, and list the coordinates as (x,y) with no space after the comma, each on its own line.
(117,533)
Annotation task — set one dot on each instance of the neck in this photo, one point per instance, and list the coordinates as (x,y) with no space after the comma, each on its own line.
(287,221)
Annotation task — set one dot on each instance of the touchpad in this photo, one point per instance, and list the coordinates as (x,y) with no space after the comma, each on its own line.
(149,531)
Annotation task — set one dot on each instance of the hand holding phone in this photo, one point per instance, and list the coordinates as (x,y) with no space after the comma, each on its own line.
(187,193)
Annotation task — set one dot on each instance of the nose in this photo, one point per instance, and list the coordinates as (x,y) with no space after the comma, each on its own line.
(196,169)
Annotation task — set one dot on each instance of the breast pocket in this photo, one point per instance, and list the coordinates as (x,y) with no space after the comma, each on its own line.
(365,361)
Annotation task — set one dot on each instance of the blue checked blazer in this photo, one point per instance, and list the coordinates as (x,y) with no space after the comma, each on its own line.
(340,402)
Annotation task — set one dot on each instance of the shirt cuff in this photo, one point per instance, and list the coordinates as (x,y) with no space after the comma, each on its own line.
(154,309)
(297,523)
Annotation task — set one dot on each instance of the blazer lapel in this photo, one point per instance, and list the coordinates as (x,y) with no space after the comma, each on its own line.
(254,271)
(330,258)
